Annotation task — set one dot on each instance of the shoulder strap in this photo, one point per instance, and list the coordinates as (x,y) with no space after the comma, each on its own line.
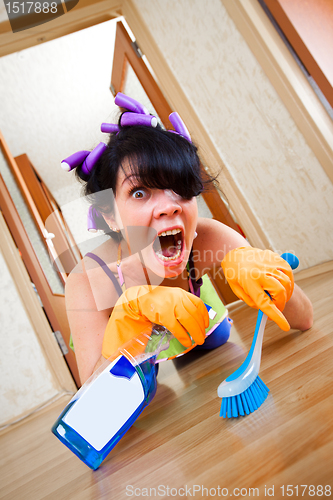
(194,284)
(107,271)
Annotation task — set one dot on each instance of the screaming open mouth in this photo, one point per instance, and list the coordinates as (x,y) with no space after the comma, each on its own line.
(168,245)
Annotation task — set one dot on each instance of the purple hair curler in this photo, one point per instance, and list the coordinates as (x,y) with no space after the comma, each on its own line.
(93,217)
(74,160)
(109,128)
(93,157)
(129,119)
(124,101)
(136,115)
(179,126)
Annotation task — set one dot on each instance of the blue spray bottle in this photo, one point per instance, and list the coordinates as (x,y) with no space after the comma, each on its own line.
(107,405)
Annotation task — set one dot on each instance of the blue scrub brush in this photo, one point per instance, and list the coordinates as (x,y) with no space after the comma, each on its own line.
(243,391)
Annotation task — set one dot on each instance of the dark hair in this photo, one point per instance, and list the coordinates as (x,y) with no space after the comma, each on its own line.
(159,159)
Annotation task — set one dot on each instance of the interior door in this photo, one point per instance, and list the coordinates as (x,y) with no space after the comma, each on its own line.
(132,76)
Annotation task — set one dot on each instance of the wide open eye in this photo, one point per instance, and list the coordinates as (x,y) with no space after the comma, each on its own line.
(138,193)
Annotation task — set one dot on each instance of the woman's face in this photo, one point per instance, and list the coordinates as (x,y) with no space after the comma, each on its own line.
(164,217)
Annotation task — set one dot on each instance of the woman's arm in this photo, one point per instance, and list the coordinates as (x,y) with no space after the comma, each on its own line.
(299,311)
(86,322)
(213,243)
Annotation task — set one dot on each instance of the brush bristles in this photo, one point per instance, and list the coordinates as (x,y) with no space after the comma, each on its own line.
(246,402)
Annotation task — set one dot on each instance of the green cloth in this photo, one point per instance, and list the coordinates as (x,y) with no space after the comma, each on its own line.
(209,296)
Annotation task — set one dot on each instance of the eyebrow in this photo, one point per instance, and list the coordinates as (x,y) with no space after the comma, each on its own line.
(129,177)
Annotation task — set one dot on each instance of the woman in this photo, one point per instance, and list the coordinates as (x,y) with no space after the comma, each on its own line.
(143,187)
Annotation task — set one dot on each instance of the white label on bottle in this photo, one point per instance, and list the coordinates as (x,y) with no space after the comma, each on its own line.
(105,407)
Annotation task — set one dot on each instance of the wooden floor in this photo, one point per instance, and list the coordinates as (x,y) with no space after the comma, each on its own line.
(180,441)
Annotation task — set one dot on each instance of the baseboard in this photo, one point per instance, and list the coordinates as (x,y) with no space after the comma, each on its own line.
(323,268)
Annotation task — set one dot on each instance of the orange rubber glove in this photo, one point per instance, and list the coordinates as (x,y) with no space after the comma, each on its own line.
(139,307)
(251,272)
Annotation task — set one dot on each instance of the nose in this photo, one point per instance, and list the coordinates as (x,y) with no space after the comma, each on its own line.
(166,204)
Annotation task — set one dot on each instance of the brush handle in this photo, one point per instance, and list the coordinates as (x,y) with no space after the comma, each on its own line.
(254,355)
(246,374)
(256,346)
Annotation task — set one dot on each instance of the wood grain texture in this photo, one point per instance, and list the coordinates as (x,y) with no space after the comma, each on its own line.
(180,440)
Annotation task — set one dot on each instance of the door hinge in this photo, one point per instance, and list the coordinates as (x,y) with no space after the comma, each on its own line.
(137,49)
(61,342)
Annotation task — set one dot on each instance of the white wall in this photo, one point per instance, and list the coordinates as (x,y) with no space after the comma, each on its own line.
(267,156)
(26,380)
